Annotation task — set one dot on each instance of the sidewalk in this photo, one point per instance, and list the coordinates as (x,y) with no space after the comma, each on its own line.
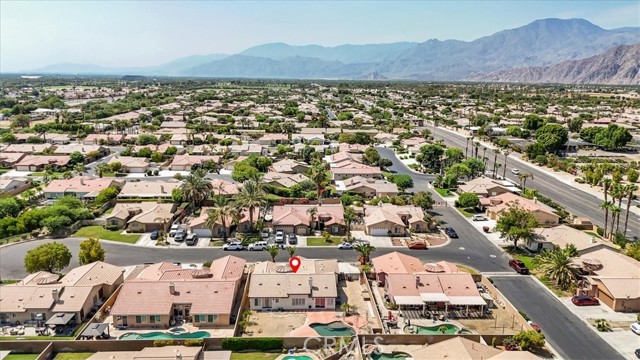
(561,176)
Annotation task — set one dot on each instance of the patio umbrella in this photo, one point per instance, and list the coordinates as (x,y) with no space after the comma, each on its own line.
(592,263)
(434,268)
(48,280)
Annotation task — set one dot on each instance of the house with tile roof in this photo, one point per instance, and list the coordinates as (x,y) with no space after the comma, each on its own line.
(41,162)
(283,179)
(367,187)
(188,162)
(131,164)
(289,166)
(13,185)
(545,215)
(296,219)
(199,226)
(148,189)
(141,216)
(82,187)
(393,220)
(165,294)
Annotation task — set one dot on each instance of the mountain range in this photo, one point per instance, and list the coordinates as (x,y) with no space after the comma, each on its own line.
(540,44)
(620,65)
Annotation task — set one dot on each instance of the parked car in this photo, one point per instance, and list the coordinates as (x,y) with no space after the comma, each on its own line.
(233,246)
(174,229)
(637,352)
(180,235)
(155,235)
(519,266)
(191,239)
(279,236)
(416,245)
(265,233)
(535,326)
(515,171)
(479,217)
(584,300)
(451,233)
(257,246)
(635,327)
(345,246)
(293,239)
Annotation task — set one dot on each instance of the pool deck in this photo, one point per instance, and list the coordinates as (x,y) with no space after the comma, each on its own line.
(281,357)
(214,331)
(431,323)
(355,322)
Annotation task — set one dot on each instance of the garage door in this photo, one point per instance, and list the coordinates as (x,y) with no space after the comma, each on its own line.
(301,230)
(202,232)
(605,298)
(379,232)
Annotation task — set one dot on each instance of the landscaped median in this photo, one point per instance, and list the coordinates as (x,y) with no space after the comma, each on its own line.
(101,233)
(320,241)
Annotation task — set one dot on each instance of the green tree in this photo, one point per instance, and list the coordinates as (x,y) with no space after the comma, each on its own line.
(291,250)
(243,171)
(612,137)
(108,194)
(453,155)
(476,165)
(364,251)
(57,224)
(10,206)
(468,200)
(196,189)
(8,138)
(533,122)
(51,257)
(516,224)
(535,150)
(423,200)
(371,156)
(319,176)
(552,137)
(402,181)
(349,218)
(147,139)
(157,156)
(528,339)
(633,250)
(252,196)
(76,157)
(273,252)
(632,175)
(90,251)
(559,266)
(224,214)
(575,125)
(459,171)
(430,156)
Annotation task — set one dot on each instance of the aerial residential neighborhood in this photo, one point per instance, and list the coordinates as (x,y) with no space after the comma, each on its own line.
(435,200)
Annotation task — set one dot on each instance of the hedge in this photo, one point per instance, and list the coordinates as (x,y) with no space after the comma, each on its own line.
(260,344)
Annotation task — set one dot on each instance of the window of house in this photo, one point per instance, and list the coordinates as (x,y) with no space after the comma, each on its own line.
(212,318)
(256,302)
(140,319)
(154,319)
(297,302)
(200,318)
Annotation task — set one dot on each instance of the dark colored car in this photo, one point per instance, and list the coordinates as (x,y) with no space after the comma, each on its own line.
(451,233)
(584,300)
(155,234)
(191,239)
(418,246)
(519,266)
(638,353)
(180,235)
(293,239)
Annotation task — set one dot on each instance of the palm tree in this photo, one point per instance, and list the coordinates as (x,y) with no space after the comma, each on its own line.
(312,212)
(223,212)
(251,196)
(484,155)
(615,213)
(630,190)
(504,170)
(318,175)
(79,168)
(196,189)
(558,265)
(466,148)
(476,144)
(364,251)
(606,206)
(101,168)
(523,180)
(618,192)
(349,216)
(291,250)
(273,252)
(496,151)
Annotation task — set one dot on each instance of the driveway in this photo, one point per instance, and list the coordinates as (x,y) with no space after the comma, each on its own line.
(565,331)
(377,241)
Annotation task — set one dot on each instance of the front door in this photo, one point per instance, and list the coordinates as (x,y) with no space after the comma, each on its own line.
(124,321)
(266,303)
(320,303)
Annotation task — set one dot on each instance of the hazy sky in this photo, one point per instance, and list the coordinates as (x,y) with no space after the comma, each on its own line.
(34,34)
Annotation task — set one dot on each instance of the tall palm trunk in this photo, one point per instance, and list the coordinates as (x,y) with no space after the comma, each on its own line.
(605,186)
(613,222)
(620,206)
(495,163)
(631,189)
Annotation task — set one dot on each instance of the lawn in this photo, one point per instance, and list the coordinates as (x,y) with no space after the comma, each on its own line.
(319,241)
(109,210)
(254,356)
(465,212)
(527,260)
(468,269)
(21,357)
(216,243)
(444,192)
(2,171)
(72,356)
(101,233)
(593,234)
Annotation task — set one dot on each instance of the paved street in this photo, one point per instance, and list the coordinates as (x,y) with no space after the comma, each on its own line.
(574,200)
(563,330)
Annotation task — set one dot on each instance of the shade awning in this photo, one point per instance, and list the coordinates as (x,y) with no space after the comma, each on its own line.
(434,297)
(346,268)
(96,329)
(467,300)
(434,268)
(60,319)
(408,300)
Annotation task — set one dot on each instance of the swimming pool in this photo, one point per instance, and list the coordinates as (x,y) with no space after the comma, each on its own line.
(450,329)
(336,328)
(156,335)
(301,357)
(390,356)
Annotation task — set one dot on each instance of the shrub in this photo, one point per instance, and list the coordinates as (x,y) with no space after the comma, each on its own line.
(260,344)
(193,342)
(161,343)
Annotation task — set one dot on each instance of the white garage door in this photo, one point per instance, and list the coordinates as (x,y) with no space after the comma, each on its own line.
(202,232)
(301,230)
(379,232)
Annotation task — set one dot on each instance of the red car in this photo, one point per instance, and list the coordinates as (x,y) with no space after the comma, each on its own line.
(584,300)
(418,246)
(519,266)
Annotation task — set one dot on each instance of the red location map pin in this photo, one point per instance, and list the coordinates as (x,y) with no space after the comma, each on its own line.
(294,263)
